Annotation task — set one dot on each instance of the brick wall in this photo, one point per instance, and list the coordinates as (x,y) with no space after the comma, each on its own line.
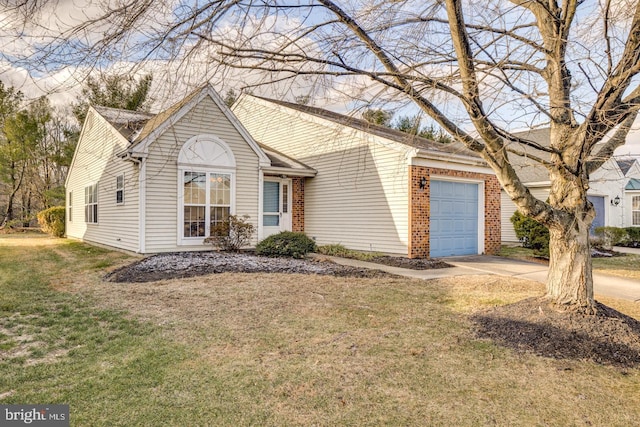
(297,204)
(419,209)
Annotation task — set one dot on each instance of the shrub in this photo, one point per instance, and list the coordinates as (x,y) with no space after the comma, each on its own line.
(287,243)
(231,234)
(52,220)
(531,234)
(633,237)
(339,250)
(335,249)
(610,236)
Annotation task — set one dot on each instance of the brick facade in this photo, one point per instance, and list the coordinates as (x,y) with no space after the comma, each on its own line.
(419,209)
(297,204)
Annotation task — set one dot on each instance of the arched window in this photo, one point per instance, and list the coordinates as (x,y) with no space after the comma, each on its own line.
(206,168)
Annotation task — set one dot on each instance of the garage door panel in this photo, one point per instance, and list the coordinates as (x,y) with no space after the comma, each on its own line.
(454,218)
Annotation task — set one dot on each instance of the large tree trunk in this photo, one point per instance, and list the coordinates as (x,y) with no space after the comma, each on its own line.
(570,282)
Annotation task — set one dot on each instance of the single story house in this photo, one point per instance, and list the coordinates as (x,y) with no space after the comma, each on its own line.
(378,189)
(152,183)
(611,187)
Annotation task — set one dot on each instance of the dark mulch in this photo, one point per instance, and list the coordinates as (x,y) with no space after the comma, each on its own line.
(192,264)
(411,263)
(534,326)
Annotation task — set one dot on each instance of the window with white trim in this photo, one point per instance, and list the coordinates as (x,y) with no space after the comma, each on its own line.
(635,210)
(91,204)
(120,189)
(70,207)
(207,202)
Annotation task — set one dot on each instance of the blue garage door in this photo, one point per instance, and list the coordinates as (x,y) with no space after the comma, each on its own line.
(598,204)
(454,218)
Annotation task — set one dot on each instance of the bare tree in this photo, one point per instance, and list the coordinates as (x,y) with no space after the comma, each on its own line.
(477,68)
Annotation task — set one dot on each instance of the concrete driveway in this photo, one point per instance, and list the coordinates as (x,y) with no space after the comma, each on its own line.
(484,264)
(603,284)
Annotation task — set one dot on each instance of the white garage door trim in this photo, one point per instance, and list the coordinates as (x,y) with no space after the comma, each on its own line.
(481,203)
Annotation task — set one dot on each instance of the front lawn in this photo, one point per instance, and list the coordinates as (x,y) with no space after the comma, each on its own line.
(277,349)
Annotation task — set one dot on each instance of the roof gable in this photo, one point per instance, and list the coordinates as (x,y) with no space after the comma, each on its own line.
(141,129)
(92,119)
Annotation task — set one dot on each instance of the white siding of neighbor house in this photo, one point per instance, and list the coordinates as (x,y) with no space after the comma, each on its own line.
(95,162)
(606,182)
(508,208)
(163,198)
(359,197)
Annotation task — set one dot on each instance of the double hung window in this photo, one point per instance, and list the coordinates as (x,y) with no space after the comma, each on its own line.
(207,202)
(91,204)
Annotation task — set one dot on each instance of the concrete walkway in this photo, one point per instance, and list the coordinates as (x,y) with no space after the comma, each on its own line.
(604,284)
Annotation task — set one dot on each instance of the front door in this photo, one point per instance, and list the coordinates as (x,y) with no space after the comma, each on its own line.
(598,221)
(276,206)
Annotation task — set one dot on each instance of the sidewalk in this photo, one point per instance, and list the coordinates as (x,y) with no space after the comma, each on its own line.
(607,285)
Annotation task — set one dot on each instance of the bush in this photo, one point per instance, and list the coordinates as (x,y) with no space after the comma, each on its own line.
(336,249)
(633,237)
(531,234)
(610,236)
(52,220)
(287,243)
(231,234)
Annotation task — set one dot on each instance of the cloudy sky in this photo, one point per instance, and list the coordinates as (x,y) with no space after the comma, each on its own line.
(36,71)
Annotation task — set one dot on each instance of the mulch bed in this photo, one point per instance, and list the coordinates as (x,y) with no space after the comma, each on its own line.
(534,326)
(192,264)
(413,264)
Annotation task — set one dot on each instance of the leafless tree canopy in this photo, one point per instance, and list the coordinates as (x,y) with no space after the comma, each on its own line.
(478,68)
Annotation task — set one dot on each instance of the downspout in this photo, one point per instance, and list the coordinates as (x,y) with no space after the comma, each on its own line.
(142,204)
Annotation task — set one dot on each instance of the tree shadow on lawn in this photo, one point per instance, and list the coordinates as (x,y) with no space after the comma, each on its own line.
(534,326)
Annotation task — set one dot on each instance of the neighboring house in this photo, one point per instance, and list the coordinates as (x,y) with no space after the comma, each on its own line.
(158,183)
(611,187)
(378,189)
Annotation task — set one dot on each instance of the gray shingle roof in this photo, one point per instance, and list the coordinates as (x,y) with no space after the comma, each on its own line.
(279,160)
(136,125)
(530,170)
(128,123)
(381,131)
(625,163)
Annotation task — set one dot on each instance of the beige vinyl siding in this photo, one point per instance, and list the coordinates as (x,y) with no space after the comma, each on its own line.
(95,162)
(359,196)
(162,201)
(509,208)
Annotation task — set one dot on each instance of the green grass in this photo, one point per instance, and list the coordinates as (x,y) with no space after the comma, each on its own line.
(276,349)
(339,250)
(60,347)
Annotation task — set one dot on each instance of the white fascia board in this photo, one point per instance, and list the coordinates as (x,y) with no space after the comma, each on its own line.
(306,173)
(538,184)
(450,162)
(634,170)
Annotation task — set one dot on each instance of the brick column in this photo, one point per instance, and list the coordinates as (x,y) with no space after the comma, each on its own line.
(297,204)
(492,215)
(419,211)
